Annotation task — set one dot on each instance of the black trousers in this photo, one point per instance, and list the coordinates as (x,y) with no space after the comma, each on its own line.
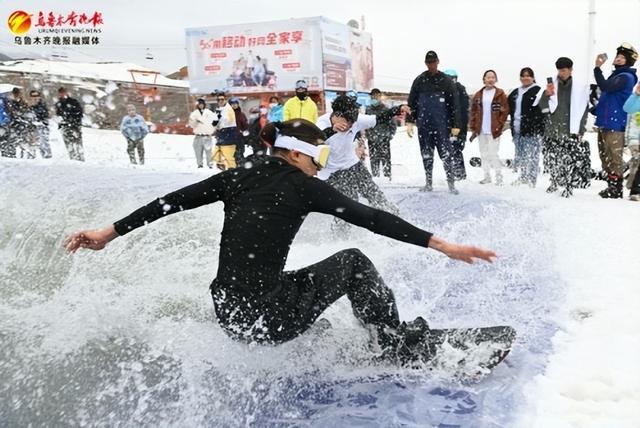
(568,162)
(357,181)
(7,146)
(302,295)
(380,153)
(457,158)
(431,140)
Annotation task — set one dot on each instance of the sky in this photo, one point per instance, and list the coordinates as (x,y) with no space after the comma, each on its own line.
(469,36)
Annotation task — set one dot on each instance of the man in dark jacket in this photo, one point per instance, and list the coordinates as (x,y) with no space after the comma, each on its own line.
(458,143)
(611,119)
(21,127)
(70,112)
(565,103)
(434,103)
(41,113)
(379,137)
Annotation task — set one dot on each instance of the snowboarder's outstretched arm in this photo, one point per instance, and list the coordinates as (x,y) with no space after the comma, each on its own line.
(204,192)
(323,198)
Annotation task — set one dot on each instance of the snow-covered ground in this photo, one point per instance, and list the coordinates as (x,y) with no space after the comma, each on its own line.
(127,336)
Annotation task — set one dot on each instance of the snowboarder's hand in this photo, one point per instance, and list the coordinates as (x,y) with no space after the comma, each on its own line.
(468,254)
(465,253)
(455,132)
(91,239)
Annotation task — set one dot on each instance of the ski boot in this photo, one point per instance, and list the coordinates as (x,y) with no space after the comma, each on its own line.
(614,190)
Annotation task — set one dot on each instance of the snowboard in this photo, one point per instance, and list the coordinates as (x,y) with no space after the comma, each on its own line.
(470,351)
(460,351)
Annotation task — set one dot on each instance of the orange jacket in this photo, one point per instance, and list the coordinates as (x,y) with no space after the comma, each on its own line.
(499,112)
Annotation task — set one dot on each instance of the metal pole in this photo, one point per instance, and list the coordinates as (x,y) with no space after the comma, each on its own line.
(591,41)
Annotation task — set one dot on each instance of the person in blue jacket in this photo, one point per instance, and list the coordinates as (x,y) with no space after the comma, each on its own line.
(434,103)
(4,125)
(276,112)
(134,129)
(611,119)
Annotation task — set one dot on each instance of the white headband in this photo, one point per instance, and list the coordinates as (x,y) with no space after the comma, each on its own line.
(292,143)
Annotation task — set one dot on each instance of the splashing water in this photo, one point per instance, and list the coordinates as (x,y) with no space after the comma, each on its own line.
(128,335)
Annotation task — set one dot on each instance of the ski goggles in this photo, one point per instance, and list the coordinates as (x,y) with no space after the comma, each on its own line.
(319,154)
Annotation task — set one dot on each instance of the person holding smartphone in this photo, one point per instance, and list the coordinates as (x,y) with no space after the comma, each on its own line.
(565,103)
(611,119)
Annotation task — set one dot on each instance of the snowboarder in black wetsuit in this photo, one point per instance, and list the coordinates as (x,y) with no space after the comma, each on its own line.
(255,299)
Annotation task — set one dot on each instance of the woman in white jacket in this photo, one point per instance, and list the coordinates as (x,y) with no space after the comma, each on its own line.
(201,121)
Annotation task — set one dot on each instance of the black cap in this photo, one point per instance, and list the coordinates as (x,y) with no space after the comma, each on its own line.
(564,62)
(201,101)
(375,91)
(629,53)
(431,56)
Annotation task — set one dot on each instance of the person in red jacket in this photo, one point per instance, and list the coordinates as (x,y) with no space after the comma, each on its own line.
(243,126)
(489,112)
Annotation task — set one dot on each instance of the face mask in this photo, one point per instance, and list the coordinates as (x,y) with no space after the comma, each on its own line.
(272,105)
(375,102)
(263,111)
(301,95)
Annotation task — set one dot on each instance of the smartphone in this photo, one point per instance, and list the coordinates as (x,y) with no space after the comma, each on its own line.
(604,56)
(549,80)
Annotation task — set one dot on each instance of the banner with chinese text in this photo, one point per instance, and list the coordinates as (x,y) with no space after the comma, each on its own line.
(257,57)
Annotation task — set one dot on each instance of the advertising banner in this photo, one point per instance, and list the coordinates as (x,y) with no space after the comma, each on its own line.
(347,56)
(256,57)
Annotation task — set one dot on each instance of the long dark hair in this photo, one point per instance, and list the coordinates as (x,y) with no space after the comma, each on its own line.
(298,128)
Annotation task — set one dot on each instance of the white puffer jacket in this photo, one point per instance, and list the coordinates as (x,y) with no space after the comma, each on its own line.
(202,121)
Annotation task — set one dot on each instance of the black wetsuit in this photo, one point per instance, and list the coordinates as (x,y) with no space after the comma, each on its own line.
(254,298)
